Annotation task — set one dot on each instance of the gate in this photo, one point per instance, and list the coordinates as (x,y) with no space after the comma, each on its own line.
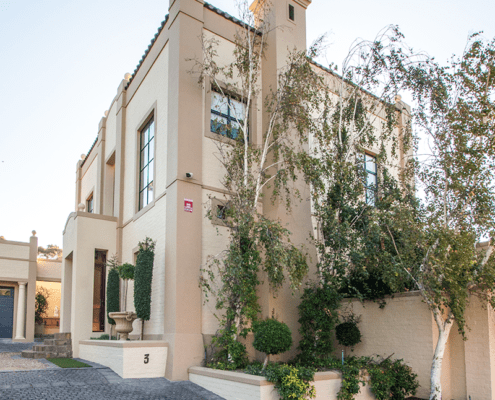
(6,311)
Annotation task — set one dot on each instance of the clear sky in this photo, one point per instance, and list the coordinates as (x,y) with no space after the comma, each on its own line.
(62,61)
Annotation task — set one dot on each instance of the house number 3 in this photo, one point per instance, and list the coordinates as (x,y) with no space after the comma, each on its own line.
(146,358)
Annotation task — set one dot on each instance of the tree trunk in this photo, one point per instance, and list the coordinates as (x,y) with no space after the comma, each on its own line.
(142,329)
(266,362)
(436,365)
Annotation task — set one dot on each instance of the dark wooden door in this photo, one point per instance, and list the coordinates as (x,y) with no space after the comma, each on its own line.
(99,291)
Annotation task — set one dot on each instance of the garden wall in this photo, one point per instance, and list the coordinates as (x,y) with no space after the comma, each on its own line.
(406,329)
(239,386)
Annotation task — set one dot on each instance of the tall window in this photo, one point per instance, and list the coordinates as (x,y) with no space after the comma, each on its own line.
(370,182)
(90,204)
(226,115)
(146,164)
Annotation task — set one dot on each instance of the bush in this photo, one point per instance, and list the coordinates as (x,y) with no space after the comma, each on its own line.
(393,380)
(41,304)
(143,278)
(318,317)
(232,354)
(113,293)
(292,382)
(348,334)
(272,337)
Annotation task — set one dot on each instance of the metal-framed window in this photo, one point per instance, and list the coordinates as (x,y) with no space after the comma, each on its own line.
(291,12)
(146,163)
(227,115)
(90,204)
(370,178)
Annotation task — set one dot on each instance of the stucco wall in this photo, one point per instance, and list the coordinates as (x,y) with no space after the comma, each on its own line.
(49,270)
(111,131)
(54,294)
(153,90)
(88,182)
(151,224)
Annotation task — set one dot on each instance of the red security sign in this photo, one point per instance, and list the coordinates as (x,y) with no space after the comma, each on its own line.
(188,205)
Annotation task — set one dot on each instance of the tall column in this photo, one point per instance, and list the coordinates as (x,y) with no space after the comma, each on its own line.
(21,311)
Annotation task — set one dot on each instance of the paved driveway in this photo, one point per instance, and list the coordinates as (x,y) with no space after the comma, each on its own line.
(95,383)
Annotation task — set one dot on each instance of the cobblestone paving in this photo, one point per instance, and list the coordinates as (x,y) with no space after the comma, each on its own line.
(7,346)
(93,384)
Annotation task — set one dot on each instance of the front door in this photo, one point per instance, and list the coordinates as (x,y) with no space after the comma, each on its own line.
(99,291)
(6,311)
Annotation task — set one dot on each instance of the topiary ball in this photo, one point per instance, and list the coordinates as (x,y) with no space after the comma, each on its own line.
(272,337)
(348,334)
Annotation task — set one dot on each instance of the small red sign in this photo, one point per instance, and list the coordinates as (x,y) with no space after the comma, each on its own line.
(188,205)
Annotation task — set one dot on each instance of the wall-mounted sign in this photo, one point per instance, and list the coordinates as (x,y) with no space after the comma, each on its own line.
(188,205)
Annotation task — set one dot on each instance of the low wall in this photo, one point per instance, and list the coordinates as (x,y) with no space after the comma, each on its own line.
(239,386)
(129,359)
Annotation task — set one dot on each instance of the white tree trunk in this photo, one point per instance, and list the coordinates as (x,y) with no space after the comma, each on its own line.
(436,365)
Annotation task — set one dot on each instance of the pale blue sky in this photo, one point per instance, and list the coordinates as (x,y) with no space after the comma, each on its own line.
(61,63)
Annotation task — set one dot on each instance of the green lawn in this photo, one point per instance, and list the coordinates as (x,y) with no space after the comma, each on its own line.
(68,363)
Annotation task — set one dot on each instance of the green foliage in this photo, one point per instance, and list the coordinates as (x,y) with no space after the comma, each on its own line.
(317,317)
(41,304)
(126,271)
(143,278)
(231,355)
(392,380)
(68,363)
(113,293)
(272,337)
(389,379)
(347,332)
(104,336)
(292,382)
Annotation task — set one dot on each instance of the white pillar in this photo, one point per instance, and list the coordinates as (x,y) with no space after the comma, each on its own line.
(21,311)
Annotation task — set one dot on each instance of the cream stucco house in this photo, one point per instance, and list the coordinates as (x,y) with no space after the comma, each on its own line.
(149,173)
(21,272)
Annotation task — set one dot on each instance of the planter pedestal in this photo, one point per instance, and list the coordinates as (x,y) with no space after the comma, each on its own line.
(123,322)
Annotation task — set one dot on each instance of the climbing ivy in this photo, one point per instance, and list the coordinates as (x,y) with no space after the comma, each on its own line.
(113,293)
(142,279)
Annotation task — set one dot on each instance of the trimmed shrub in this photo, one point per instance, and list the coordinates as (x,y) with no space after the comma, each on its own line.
(347,333)
(41,305)
(142,280)
(113,293)
(272,337)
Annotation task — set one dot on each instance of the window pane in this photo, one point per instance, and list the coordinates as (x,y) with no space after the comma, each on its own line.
(218,124)
(371,180)
(144,157)
(370,163)
(150,193)
(151,151)
(142,198)
(370,197)
(234,132)
(151,170)
(238,109)
(219,103)
(151,133)
(144,178)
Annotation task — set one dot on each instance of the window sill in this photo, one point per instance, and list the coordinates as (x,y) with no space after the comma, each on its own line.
(144,210)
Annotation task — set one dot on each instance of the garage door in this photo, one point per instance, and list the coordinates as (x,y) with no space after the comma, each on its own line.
(6,311)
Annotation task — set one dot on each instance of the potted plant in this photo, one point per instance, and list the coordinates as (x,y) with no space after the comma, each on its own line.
(41,306)
(124,319)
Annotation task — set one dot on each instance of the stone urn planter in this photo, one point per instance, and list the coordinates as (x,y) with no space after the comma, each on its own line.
(123,322)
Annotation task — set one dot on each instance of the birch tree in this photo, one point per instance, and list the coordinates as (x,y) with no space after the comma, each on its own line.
(255,165)
(431,241)
(456,114)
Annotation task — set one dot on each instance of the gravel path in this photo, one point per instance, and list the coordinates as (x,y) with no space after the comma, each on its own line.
(14,362)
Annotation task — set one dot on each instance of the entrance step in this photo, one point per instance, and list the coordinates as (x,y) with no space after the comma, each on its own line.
(59,345)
